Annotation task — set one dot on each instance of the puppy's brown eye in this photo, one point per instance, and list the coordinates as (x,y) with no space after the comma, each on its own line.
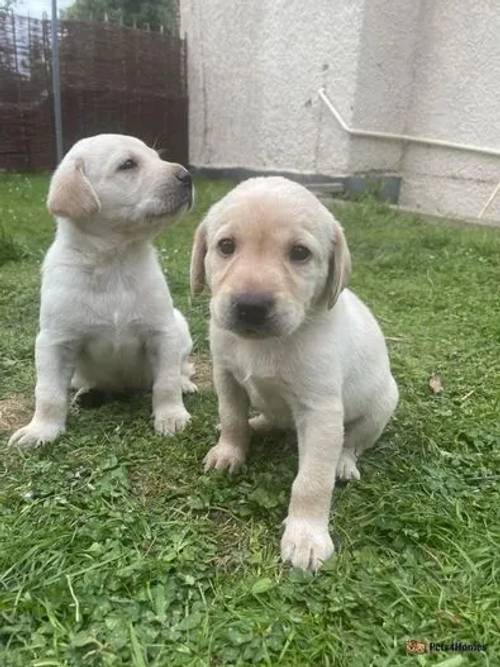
(226,246)
(299,253)
(128,164)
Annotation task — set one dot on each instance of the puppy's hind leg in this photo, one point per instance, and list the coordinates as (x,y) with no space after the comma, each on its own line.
(364,432)
(80,387)
(170,415)
(261,424)
(186,346)
(187,372)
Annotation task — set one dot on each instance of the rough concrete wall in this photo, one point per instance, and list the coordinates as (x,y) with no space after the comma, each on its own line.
(456,97)
(384,81)
(415,66)
(254,70)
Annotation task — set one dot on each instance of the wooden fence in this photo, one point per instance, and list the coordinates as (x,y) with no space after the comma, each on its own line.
(113,79)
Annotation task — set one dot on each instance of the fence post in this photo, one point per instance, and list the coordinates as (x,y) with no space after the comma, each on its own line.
(56,83)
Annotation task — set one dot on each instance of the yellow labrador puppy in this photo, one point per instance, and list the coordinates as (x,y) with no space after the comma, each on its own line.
(106,318)
(290,341)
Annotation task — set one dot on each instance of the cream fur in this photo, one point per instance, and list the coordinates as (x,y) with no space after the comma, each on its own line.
(106,318)
(321,368)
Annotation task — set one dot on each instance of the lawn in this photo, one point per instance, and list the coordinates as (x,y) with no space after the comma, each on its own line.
(116,549)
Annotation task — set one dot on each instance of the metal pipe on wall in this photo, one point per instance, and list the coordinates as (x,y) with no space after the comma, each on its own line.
(415,139)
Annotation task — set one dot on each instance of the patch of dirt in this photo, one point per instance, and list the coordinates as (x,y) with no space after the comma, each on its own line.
(203,371)
(15,411)
(149,486)
(233,541)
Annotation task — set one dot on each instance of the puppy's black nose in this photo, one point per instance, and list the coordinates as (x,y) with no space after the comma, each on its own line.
(253,309)
(184,177)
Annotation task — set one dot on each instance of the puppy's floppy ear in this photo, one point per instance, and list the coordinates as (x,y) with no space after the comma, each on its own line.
(71,194)
(197,269)
(339,266)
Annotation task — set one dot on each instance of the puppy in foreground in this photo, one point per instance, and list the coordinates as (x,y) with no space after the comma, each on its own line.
(289,341)
(106,319)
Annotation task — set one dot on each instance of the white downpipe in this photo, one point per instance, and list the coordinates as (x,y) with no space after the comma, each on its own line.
(389,136)
(370,134)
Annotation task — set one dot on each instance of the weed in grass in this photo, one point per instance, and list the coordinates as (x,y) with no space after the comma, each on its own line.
(10,249)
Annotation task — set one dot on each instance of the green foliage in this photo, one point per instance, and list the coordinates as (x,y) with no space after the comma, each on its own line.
(152,13)
(116,549)
(5,5)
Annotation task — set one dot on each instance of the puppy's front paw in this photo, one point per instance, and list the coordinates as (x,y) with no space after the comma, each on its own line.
(171,420)
(306,543)
(346,466)
(35,434)
(224,456)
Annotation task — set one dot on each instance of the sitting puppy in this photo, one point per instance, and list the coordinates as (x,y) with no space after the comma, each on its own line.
(289,340)
(106,318)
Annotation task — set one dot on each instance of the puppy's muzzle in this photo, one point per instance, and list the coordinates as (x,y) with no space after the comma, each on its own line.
(186,184)
(252,311)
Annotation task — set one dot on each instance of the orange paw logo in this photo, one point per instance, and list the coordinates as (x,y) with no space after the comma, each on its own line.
(415,647)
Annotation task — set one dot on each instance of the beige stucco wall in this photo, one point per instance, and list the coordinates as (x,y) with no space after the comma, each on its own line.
(456,96)
(254,71)
(415,66)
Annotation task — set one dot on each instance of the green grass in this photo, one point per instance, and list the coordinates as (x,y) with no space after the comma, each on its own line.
(115,548)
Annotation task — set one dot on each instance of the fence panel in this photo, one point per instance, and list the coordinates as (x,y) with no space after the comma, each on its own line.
(113,79)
